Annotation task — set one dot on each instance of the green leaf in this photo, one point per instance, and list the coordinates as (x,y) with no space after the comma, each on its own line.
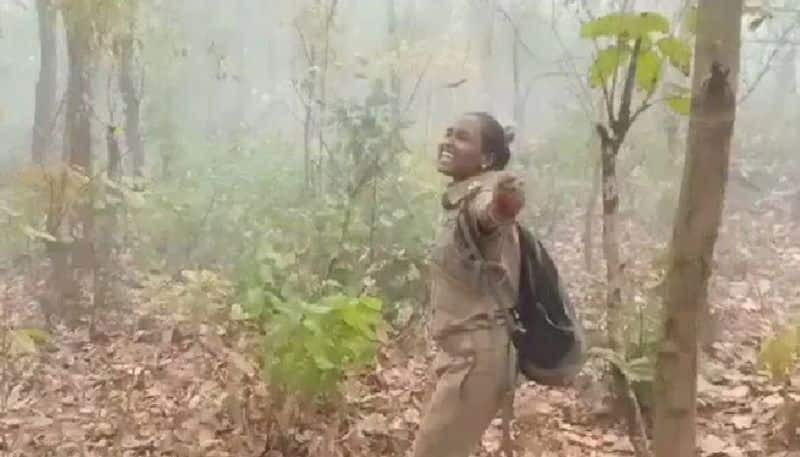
(25,341)
(372,303)
(626,26)
(607,62)
(640,370)
(678,52)
(680,104)
(779,353)
(648,71)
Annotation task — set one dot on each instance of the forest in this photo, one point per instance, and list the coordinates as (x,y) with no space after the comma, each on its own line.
(216,221)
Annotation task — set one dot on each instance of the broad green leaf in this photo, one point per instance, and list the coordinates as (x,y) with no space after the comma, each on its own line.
(779,353)
(607,62)
(627,26)
(356,319)
(641,370)
(648,71)
(25,341)
(680,104)
(372,303)
(313,326)
(678,52)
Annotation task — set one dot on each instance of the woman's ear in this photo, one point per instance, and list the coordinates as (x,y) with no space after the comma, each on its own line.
(488,161)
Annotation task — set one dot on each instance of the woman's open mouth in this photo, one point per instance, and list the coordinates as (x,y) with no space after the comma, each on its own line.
(445,155)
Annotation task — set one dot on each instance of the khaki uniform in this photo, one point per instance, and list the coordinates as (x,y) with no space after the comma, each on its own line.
(475,369)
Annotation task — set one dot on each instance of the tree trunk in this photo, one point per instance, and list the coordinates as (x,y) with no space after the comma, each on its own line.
(610,145)
(46,87)
(242,81)
(519,97)
(588,221)
(394,79)
(484,18)
(78,137)
(330,13)
(133,102)
(114,155)
(79,92)
(697,222)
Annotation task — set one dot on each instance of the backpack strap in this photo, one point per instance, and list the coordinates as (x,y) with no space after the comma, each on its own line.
(468,235)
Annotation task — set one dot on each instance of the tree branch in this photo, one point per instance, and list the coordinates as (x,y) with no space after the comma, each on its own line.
(517,33)
(627,92)
(417,84)
(782,43)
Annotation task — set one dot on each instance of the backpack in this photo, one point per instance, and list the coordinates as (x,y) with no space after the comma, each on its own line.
(547,333)
(542,323)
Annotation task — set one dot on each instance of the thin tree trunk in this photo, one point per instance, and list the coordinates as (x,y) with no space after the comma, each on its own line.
(79,92)
(394,79)
(46,87)
(323,101)
(697,222)
(610,145)
(588,232)
(610,197)
(519,98)
(132,99)
(78,149)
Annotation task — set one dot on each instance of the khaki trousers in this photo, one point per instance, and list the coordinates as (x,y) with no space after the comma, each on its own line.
(474,379)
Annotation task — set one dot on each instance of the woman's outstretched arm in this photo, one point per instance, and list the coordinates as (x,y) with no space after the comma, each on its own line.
(501,204)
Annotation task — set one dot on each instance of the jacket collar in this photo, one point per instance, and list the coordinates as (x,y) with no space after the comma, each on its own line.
(457,191)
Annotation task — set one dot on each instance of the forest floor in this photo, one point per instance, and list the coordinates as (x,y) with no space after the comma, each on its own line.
(147,384)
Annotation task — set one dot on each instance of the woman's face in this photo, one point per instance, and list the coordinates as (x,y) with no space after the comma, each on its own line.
(460,154)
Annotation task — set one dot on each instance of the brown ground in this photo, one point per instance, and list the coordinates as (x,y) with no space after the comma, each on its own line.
(148,386)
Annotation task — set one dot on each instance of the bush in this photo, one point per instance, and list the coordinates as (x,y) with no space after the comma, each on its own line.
(310,347)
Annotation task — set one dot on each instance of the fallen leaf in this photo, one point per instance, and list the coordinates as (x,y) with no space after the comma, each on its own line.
(773,400)
(623,444)
(411,415)
(712,444)
(40,422)
(737,393)
(205,438)
(742,422)
(374,423)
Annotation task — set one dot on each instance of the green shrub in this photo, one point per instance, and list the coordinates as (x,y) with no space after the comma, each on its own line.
(310,347)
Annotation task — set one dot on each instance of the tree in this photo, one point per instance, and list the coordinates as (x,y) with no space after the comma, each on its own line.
(78,127)
(638,45)
(128,66)
(46,87)
(713,113)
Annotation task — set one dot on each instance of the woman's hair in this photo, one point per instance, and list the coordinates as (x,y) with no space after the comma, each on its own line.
(495,139)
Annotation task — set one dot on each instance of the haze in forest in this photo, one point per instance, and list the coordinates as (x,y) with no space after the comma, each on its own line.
(256,179)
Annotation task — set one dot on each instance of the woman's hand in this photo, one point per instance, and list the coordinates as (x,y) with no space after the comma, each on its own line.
(508,197)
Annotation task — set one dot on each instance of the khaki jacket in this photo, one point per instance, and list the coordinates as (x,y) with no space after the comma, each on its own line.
(459,299)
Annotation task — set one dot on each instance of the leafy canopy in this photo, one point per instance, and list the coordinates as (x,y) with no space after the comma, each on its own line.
(656,46)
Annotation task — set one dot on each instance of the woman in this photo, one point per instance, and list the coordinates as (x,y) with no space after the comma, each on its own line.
(475,369)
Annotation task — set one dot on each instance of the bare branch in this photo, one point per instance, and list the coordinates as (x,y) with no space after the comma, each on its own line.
(627,92)
(765,69)
(517,34)
(417,84)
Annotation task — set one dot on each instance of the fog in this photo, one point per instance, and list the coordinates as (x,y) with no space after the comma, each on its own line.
(254,183)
